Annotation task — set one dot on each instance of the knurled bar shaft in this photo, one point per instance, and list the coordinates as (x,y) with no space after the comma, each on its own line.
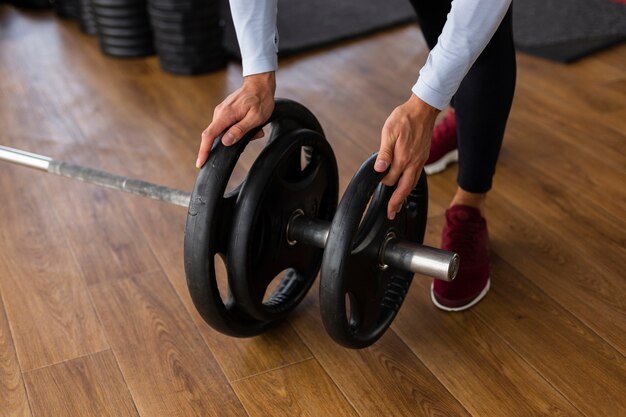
(94,176)
(397,253)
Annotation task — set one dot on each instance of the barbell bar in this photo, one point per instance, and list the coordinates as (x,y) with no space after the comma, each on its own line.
(397,253)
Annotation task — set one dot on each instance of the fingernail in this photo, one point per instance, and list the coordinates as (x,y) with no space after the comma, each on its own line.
(198,163)
(392,215)
(228,139)
(381,165)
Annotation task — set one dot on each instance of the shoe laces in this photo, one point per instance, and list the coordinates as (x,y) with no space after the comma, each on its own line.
(463,238)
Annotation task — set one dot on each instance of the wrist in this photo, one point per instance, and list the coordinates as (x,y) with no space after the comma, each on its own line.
(420,109)
(264,81)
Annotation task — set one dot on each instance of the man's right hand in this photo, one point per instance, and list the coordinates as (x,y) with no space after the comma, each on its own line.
(248,107)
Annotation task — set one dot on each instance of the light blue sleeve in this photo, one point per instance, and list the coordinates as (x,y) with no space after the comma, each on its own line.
(255,24)
(468,29)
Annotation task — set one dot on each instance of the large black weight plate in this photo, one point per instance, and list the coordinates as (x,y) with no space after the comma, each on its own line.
(126,52)
(138,32)
(144,44)
(120,3)
(66,8)
(181,68)
(209,223)
(190,26)
(119,22)
(180,17)
(191,61)
(182,6)
(207,50)
(121,13)
(351,267)
(278,185)
(197,38)
(208,220)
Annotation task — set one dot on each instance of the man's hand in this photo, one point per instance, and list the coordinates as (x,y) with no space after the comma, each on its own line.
(405,143)
(243,110)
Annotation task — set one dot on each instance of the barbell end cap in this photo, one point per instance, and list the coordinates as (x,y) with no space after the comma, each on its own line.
(454,267)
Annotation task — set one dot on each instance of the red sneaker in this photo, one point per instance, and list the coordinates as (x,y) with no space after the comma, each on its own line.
(443,147)
(465,233)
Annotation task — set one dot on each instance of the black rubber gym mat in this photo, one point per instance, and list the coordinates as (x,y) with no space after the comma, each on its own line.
(308,24)
(560,30)
(566,30)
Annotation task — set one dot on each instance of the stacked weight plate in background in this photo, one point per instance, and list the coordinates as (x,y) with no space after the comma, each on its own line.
(188,35)
(30,4)
(66,8)
(124,27)
(86,19)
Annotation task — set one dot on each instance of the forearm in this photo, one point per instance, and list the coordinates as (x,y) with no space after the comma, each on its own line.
(468,29)
(255,25)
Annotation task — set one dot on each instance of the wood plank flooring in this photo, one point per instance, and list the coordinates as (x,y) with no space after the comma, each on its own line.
(95,317)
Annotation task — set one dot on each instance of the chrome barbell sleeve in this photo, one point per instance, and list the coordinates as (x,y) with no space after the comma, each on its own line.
(23,158)
(396,253)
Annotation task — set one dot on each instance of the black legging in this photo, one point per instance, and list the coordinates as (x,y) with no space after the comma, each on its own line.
(483,100)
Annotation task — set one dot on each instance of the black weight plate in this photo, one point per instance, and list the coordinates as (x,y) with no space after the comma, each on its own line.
(192,26)
(190,48)
(351,264)
(88,27)
(211,27)
(185,70)
(86,21)
(185,6)
(207,61)
(174,41)
(32,4)
(192,38)
(276,187)
(181,53)
(121,13)
(184,3)
(179,68)
(138,32)
(133,43)
(66,8)
(180,17)
(121,52)
(209,223)
(204,48)
(118,22)
(120,4)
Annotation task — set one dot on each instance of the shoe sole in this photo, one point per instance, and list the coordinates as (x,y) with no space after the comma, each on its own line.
(437,167)
(466,306)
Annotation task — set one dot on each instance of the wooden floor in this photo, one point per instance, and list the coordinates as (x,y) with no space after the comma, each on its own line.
(95,318)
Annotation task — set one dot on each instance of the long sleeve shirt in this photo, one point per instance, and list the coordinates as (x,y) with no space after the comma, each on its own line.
(468,29)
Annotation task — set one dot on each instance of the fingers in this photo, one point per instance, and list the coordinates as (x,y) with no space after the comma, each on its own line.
(238,130)
(398,166)
(203,152)
(400,156)
(217,126)
(220,123)
(385,154)
(405,186)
